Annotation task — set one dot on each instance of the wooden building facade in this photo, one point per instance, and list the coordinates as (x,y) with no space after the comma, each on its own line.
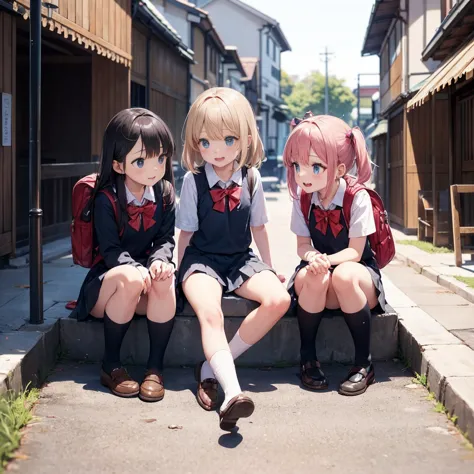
(86,58)
(397,32)
(446,102)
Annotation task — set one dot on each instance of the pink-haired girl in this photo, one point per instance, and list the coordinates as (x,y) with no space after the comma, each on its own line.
(338,268)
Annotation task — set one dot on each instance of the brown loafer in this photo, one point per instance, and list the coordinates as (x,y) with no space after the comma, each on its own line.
(357,381)
(119,383)
(152,388)
(240,406)
(206,387)
(312,377)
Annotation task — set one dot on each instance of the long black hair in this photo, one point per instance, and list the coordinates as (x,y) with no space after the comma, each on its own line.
(120,137)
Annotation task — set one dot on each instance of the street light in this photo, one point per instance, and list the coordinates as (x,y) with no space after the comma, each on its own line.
(36,213)
(358,92)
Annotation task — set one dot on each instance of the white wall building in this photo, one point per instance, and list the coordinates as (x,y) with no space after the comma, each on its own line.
(257,35)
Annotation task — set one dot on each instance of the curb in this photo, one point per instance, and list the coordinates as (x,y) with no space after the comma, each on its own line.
(446,281)
(31,354)
(446,362)
(51,251)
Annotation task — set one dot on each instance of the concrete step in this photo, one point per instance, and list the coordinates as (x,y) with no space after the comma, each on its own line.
(85,340)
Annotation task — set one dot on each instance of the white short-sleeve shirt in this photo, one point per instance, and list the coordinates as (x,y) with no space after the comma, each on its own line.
(361,223)
(186,213)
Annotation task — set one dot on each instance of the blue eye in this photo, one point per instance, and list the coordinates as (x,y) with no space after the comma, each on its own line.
(297,167)
(229,141)
(204,143)
(317,169)
(161,159)
(139,163)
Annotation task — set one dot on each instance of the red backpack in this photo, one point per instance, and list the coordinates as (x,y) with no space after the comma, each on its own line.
(381,241)
(82,227)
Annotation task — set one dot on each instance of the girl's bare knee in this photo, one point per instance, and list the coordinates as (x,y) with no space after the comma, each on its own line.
(278,304)
(161,289)
(343,277)
(129,281)
(317,283)
(212,318)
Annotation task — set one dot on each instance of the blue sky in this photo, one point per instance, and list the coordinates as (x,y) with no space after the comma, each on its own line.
(311,25)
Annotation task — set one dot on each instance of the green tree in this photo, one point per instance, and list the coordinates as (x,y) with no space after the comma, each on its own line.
(287,83)
(308,94)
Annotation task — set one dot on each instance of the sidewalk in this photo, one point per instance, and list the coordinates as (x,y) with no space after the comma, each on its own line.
(436,326)
(438,267)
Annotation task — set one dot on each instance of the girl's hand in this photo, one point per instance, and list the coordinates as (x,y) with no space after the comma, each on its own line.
(160,271)
(146,279)
(282,278)
(319,264)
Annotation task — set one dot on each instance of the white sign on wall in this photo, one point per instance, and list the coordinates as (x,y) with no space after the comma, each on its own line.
(6,119)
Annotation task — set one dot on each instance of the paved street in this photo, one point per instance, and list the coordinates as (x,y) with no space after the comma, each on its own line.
(392,428)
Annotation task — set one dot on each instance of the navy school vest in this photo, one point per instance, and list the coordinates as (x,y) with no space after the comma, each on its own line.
(222,233)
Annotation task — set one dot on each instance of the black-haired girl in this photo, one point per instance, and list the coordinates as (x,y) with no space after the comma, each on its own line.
(135,239)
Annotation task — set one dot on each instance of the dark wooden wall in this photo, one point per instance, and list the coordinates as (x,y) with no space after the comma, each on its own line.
(7,154)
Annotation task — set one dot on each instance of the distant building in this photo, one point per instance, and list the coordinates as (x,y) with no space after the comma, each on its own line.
(257,35)
(364,105)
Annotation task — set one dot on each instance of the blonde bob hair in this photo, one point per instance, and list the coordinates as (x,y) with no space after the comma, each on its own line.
(215,110)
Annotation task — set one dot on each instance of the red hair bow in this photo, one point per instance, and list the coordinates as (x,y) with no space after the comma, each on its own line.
(325,218)
(219,195)
(147,212)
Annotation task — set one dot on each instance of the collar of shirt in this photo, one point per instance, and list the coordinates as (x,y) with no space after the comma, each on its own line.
(148,195)
(338,197)
(213,179)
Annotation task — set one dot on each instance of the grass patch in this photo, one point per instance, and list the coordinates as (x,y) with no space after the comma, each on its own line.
(469,281)
(425,246)
(421,379)
(15,413)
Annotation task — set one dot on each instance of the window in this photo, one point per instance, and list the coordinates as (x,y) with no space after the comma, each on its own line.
(137,95)
(384,61)
(274,51)
(394,42)
(276,73)
(270,47)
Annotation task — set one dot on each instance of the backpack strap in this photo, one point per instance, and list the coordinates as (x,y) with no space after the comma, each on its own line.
(305,205)
(114,201)
(352,189)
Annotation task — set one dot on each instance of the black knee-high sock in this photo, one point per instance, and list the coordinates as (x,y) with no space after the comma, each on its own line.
(359,326)
(308,324)
(114,334)
(159,334)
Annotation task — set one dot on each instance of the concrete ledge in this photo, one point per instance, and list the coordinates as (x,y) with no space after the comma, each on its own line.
(28,356)
(84,340)
(445,360)
(459,400)
(51,251)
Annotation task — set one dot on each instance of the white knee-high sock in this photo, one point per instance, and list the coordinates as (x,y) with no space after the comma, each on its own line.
(237,347)
(222,364)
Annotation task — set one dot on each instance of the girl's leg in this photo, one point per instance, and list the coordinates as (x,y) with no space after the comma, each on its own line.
(159,305)
(355,291)
(161,309)
(266,289)
(118,298)
(312,295)
(204,294)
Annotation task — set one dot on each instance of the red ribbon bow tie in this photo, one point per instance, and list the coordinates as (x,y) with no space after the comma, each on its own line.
(323,218)
(218,197)
(147,212)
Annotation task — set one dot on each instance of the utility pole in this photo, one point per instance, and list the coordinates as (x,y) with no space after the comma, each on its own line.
(326,55)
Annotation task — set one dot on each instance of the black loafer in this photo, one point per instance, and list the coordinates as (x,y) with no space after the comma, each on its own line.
(312,377)
(357,381)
